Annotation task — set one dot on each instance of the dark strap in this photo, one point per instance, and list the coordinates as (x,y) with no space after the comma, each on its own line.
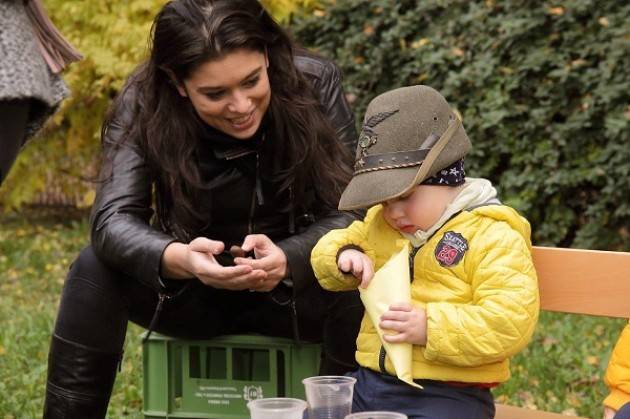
(393,160)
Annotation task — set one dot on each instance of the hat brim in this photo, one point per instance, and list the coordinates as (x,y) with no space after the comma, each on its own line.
(370,188)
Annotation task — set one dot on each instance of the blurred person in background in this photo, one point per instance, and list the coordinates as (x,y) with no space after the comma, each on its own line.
(224,157)
(33,53)
(617,404)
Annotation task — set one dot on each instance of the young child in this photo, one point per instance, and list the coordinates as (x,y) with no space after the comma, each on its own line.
(474,295)
(617,404)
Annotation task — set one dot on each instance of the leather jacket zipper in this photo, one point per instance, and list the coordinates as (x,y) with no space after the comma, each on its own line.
(294,322)
(156,315)
(257,195)
(162,298)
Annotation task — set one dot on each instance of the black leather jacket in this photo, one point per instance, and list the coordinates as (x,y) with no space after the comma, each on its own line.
(120,223)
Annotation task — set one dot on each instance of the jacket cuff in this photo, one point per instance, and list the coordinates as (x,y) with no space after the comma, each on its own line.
(616,399)
(151,273)
(347,247)
(301,273)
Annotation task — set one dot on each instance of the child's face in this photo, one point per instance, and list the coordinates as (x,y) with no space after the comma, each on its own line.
(419,208)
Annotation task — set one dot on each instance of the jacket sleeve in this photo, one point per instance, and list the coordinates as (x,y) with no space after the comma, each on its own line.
(120,231)
(618,373)
(298,247)
(325,252)
(503,315)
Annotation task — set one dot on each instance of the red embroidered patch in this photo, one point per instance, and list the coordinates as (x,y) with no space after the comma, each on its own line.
(451,248)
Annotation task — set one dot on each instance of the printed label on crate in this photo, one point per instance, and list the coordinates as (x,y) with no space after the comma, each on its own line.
(224,395)
(218,395)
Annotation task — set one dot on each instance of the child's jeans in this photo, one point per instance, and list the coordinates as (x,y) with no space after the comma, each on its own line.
(624,412)
(438,400)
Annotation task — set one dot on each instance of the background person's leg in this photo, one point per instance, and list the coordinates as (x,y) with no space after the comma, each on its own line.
(13,118)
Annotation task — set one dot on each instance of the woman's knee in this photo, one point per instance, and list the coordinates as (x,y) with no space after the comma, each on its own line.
(92,311)
(88,270)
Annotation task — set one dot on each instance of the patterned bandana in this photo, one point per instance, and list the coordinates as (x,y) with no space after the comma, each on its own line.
(452,175)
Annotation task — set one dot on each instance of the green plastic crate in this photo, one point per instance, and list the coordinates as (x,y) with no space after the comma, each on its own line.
(216,378)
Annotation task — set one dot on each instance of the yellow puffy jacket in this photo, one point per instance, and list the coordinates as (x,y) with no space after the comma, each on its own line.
(618,372)
(481,301)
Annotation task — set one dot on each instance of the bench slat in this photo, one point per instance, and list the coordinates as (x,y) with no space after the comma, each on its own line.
(583,281)
(511,412)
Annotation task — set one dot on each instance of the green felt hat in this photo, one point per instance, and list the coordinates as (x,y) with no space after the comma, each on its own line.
(408,135)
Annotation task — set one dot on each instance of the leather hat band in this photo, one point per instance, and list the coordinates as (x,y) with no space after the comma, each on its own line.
(393,160)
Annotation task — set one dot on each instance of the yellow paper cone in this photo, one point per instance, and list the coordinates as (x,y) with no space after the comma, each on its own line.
(391,285)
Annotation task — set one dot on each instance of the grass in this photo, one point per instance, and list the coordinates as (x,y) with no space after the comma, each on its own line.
(561,370)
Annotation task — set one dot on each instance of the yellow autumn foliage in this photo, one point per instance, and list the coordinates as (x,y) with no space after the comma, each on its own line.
(113,37)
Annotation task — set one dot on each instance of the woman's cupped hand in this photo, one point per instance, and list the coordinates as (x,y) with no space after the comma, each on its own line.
(268,258)
(202,263)
(199,259)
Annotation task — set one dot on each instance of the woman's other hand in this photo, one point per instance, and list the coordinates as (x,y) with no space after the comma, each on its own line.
(358,264)
(268,258)
(197,259)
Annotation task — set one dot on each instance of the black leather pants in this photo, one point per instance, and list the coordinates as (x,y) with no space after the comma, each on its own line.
(97,302)
(13,117)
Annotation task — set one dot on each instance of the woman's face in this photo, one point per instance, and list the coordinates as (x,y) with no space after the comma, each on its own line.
(231,93)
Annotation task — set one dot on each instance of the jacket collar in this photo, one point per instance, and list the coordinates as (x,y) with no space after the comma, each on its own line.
(226,147)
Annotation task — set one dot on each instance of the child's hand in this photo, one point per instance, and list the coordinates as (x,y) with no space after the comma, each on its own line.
(609,413)
(358,264)
(410,323)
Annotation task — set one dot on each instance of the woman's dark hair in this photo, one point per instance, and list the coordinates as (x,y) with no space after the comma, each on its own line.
(302,146)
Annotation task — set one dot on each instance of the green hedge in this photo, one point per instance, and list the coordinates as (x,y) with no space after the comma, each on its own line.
(544,89)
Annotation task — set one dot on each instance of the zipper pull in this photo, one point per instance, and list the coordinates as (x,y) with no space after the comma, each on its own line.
(294,321)
(291,212)
(156,315)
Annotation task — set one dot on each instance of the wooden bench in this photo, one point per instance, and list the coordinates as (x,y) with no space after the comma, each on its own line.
(581,282)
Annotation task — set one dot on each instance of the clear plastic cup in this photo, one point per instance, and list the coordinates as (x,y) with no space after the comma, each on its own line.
(329,396)
(276,408)
(376,415)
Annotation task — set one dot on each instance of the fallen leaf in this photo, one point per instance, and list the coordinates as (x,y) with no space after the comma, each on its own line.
(420,43)
(458,52)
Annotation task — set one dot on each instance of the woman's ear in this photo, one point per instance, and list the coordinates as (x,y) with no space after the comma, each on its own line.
(181,89)
(266,58)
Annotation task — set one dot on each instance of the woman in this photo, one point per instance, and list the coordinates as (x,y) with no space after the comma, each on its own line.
(240,141)
(33,54)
